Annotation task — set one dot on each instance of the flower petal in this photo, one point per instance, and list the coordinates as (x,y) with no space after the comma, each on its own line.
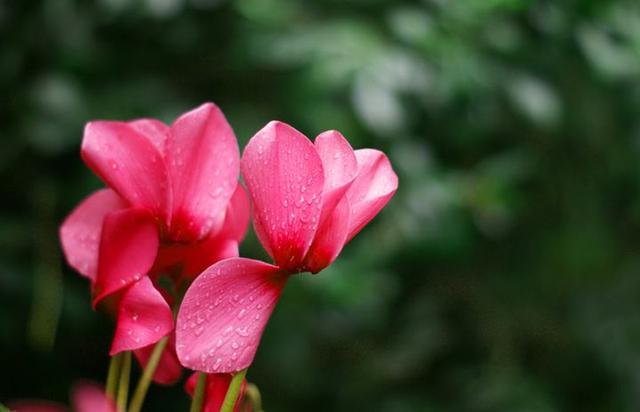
(340,168)
(330,239)
(224,313)
(203,161)
(128,248)
(35,406)
(236,220)
(144,317)
(80,232)
(169,370)
(374,186)
(284,176)
(90,397)
(154,131)
(217,385)
(127,161)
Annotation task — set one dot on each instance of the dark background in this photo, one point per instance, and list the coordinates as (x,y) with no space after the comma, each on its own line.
(503,276)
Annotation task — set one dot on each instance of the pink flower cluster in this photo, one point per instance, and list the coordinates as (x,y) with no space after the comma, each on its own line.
(163,237)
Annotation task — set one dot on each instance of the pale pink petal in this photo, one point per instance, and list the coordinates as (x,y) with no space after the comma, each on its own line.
(331,237)
(128,248)
(284,176)
(224,313)
(374,186)
(90,397)
(340,168)
(128,162)
(217,385)
(144,317)
(81,230)
(169,370)
(203,161)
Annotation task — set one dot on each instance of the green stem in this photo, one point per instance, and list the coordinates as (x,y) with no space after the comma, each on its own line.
(234,390)
(198,393)
(145,380)
(123,384)
(112,377)
(253,396)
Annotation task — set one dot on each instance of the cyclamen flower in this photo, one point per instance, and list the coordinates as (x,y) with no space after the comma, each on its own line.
(173,207)
(309,200)
(215,391)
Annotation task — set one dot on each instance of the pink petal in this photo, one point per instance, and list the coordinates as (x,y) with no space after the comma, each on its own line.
(340,168)
(284,176)
(144,317)
(127,161)
(224,313)
(236,220)
(80,232)
(169,370)
(330,239)
(203,161)
(216,389)
(154,131)
(374,186)
(128,247)
(90,397)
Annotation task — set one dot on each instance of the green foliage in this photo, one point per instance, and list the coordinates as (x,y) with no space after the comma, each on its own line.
(504,275)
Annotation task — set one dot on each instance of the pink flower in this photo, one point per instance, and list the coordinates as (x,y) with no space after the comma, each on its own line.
(173,207)
(215,391)
(86,397)
(309,200)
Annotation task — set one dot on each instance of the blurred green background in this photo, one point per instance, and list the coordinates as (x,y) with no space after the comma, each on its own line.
(503,276)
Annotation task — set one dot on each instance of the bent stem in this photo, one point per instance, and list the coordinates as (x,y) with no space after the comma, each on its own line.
(198,393)
(254,398)
(145,380)
(113,375)
(123,384)
(234,390)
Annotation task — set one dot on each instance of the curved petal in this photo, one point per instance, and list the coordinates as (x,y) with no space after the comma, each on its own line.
(90,397)
(216,389)
(169,370)
(203,160)
(224,313)
(81,230)
(284,176)
(374,186)
(330,239)
(236,220)
(144,317)
(340,168)
(128,248)
(154,131)
(128,162)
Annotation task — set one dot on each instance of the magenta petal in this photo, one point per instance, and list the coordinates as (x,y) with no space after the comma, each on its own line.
(284,176)
(144,317)
(90,397)
(81,230)
(128,162)
(374,186)
(330,239)
(340,168)
(224,313)
(128,248)
(236,220)
(169,370)
(203,160)
(35,406)
(154,131)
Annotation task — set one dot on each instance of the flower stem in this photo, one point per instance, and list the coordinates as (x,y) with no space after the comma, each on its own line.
(145,380)
(234,390)
(198,393)
(254,398)
(112,376)
(123,384)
